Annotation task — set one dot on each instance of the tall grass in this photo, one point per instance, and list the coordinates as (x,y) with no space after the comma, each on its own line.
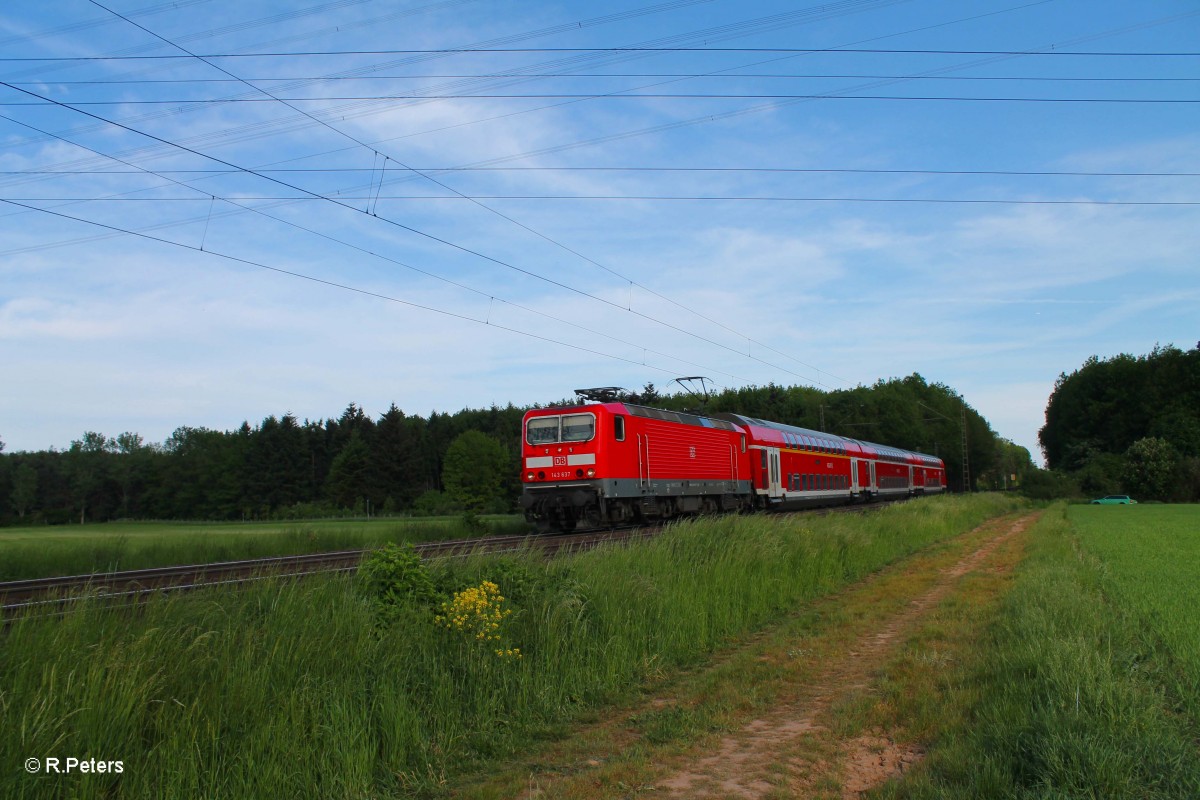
(1070,696)
(137,546)
(297,690)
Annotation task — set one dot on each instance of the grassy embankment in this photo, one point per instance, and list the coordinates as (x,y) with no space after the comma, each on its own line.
(83,549)
(292,689)
(1081,682)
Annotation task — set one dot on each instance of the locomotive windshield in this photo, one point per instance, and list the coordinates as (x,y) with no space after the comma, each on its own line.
(568,428)
(578,427)
(542,430)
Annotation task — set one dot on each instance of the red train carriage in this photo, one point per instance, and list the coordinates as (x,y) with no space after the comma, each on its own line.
(929,474)
(797,467)
(610,463)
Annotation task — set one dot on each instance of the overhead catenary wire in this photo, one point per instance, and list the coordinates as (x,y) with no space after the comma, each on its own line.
(706,34)
(119,231)
(403,226)
(631,49)
(555,242)
(725,32)
(345,287)
(724,115)
(253,131)
(271,20)
(785,170)
(508,39)
(373,199)
(783,258)
(1020,51)
(622,96)
(176,5)
(574,75)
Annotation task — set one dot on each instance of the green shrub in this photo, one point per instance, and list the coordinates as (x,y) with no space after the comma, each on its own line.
(432,503)
(1045,484)
(397,580)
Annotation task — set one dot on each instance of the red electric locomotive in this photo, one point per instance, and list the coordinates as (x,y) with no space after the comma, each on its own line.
(610,463)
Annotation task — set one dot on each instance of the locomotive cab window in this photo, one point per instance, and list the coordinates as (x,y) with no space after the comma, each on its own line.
(568,428)
(542,430)
(578,427)
(619,428)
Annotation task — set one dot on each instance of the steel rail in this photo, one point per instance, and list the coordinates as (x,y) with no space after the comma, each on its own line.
(59,591)
(56,594)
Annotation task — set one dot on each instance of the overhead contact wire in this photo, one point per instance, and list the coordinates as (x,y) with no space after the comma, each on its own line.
(397,262)
(335,285)
(439,183)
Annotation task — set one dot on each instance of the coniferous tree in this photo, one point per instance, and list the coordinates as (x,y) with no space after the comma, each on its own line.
(24,491)
(348,483)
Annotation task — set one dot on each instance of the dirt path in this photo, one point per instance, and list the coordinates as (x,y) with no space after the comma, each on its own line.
(796,711)
(795,749)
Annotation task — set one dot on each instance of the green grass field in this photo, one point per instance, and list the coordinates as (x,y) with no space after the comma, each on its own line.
(296,689)
(1152,557)
(1082,680)
(81,549)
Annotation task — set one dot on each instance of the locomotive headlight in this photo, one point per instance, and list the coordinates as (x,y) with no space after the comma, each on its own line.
(529,476)
(591,473)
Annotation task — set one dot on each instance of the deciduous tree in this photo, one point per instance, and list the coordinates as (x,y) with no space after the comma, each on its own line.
(1151,468)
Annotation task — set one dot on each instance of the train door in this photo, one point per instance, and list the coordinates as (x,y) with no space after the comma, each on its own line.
(874,487)
(774,490)
(854,476)
(910,480)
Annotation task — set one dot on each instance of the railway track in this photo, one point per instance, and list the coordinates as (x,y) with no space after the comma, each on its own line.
(55,595)
(52,595)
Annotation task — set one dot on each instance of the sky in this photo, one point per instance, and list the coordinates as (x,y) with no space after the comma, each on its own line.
(214,212)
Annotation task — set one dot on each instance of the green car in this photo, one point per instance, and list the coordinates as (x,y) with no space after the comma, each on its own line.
(1115,500)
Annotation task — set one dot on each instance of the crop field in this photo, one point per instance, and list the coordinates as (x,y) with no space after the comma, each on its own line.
(342,687)
(1152,556)
(80,549)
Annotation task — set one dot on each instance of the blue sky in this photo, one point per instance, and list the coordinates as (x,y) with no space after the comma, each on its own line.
(459,203)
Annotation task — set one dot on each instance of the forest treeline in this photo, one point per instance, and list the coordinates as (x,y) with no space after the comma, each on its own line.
(284,468)
(1127,425)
